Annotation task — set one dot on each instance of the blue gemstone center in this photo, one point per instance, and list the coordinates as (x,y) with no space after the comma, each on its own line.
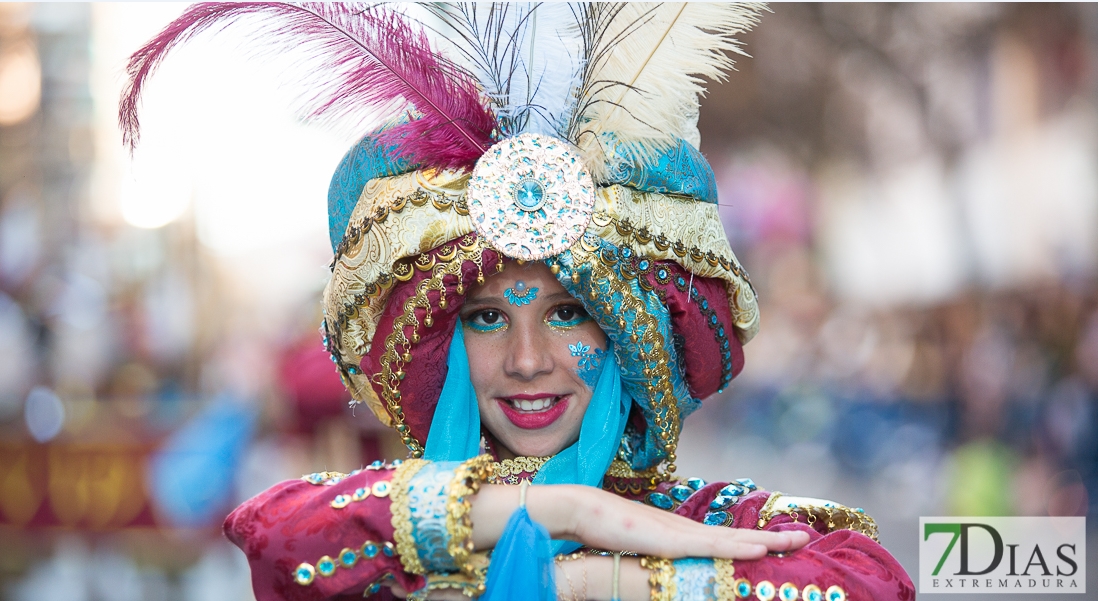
(529,195)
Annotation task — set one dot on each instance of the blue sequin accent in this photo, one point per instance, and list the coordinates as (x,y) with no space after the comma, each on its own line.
(733,490)
(304,574)
(520,296)
(747,482)
(681,493)
(658,499)
(529,195)
(743,589)
(715,518)
(680,169)
(362,163)
(369,550)
(325,567)
(815,596)
(348,558)
(695,483)
(590,363)
(722,502)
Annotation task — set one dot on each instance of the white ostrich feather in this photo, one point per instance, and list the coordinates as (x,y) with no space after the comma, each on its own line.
(645,68)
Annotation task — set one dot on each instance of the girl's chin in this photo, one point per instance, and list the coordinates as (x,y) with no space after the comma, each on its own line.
(523,444)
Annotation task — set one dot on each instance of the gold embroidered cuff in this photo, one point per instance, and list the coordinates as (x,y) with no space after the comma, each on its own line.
(726,575)
(402,516)
(662,579)
(466,482)
(835,515)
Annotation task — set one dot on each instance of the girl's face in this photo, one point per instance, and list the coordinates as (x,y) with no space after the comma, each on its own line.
(534,358)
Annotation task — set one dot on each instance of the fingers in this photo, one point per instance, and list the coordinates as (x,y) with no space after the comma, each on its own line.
(737,543)
(608,522)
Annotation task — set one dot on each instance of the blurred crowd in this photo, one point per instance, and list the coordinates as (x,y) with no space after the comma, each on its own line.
(912,187)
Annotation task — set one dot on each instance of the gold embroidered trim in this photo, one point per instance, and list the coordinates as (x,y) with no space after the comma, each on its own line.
(319,478)
(661,581)
(623,479)
(396,219)
(726,575)
(398,346)
(658,224)
(471,587)
(837,516)
(508,468)
(402,515)
(466,482)
(621,469)
(604,284)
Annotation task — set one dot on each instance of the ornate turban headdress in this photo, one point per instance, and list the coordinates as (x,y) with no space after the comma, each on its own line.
(565,133)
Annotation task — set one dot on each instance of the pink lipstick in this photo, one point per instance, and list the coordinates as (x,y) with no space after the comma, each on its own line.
(536,417)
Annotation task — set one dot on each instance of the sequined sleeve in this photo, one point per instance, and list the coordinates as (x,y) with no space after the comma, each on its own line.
(320,537)
(331,535)
(842,560)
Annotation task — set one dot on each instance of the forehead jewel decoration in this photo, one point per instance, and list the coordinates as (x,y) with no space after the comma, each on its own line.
(530,196)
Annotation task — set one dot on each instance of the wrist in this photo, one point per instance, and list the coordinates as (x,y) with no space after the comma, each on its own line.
(556,507)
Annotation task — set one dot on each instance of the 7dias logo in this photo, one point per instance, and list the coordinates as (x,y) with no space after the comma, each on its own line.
(1002,555)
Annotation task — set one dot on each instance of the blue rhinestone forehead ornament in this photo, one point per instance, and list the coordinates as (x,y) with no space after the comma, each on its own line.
(530,196)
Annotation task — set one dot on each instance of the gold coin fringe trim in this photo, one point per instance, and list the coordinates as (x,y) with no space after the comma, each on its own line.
(642,236)
(837,516)
(398,346)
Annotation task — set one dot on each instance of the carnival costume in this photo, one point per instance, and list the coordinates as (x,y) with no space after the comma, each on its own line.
(562,133)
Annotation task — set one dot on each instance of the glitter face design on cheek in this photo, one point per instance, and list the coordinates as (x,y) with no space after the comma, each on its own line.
(520,295)
(590,363)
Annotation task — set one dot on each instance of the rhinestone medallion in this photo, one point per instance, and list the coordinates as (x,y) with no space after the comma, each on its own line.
(530,197)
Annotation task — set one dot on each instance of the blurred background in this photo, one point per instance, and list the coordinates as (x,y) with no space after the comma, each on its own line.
(914,189)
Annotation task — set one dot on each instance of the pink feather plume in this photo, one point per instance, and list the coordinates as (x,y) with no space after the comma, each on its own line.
(355,60)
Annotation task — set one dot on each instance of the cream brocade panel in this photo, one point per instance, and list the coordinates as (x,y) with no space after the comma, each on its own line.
(690,222)
(406,232)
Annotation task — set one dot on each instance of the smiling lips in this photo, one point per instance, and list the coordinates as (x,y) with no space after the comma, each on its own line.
(534,411)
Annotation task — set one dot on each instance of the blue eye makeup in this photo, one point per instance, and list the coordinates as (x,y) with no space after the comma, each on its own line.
(566,317)
(484,321)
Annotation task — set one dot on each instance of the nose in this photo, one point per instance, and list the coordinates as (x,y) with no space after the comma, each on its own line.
(528,355)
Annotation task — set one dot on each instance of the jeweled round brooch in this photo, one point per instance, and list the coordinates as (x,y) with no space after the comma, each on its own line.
(530,197)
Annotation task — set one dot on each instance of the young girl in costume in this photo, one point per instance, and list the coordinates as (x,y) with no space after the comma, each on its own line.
(531,284)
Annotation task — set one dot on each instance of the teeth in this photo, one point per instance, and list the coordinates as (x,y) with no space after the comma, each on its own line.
(534,405)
